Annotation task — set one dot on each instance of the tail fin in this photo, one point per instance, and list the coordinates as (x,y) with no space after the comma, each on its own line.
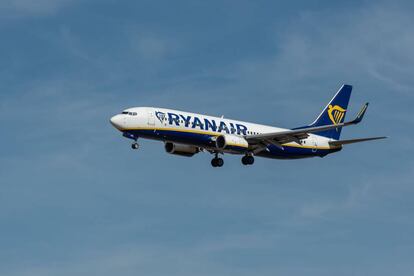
(334,113)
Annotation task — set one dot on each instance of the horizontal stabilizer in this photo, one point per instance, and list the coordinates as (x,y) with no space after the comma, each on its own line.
(351,141)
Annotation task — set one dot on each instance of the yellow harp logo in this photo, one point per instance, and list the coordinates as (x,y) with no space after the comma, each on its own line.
(336,113)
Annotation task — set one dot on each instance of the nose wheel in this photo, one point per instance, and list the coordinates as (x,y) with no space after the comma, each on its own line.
(247,160)
(135,146)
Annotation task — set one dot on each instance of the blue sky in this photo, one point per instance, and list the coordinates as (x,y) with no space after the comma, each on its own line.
(75,200)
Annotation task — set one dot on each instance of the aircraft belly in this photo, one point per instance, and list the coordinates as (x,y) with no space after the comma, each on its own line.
(206,141)
(289,152)
(189,138)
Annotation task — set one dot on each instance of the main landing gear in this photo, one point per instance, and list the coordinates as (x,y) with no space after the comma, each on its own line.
(217,162)
(248,160)
(135,146)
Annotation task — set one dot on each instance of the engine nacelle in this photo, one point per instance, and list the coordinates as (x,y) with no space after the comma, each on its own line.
(232,142)
(180,149)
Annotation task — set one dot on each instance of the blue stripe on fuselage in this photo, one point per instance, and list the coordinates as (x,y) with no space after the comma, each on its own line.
(205,140)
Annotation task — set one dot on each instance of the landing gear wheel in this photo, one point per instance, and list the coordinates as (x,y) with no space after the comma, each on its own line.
(217,162)
(135,146)
(214,162)
(250,160)
(247,160)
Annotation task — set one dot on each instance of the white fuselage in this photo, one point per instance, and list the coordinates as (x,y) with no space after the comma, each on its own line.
(163,121)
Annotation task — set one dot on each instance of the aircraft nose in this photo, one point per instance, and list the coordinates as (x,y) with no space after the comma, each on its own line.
(116,121)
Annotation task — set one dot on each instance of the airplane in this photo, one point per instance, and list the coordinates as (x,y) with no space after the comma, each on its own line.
(186,134)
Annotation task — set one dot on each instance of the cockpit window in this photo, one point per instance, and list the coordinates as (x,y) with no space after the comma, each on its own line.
(129,113)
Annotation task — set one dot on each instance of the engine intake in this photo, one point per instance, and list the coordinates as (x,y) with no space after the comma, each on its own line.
(180,149)
(232,142)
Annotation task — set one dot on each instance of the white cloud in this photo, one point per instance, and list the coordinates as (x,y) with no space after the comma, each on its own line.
(150,47)
(365,196)
(373,43)
(17,8)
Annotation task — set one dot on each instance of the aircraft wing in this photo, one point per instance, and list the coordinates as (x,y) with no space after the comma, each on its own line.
(295,135)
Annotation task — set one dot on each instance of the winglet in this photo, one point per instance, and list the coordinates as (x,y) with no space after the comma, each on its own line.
(361,114)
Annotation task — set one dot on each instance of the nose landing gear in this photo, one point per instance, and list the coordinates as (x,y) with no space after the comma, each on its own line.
(131,136)
(248,160)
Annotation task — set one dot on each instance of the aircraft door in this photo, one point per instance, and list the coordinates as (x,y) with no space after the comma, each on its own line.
(151,119)
(314,144)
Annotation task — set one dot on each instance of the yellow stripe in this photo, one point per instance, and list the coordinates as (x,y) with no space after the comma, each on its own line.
(307,147)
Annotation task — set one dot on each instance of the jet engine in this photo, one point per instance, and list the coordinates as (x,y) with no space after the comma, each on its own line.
(232,142)
(180,149)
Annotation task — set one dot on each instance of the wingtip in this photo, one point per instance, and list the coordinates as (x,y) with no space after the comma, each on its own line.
(362,111)
(361,114)
(380,137)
